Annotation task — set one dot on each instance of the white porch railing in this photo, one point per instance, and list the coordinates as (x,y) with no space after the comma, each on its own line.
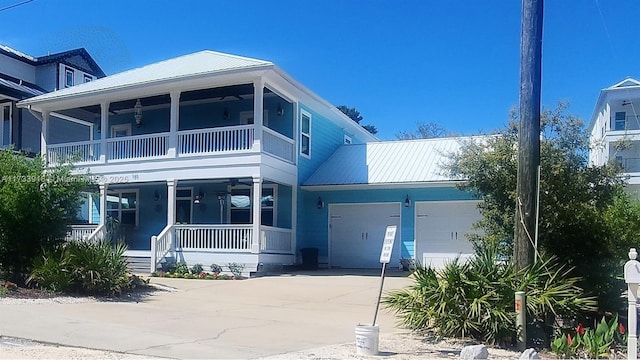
(160,246)
(136,147)
(276,240)
(229,138)
(278,145)
(80,232)
(76,152)
(98,234)
(214,237)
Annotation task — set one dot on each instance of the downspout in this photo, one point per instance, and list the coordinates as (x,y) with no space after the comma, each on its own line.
(35,114)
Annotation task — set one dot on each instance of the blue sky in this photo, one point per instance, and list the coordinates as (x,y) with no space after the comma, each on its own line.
(454,62)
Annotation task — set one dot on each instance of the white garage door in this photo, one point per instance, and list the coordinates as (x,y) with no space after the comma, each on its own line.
(357,232)
(441,229)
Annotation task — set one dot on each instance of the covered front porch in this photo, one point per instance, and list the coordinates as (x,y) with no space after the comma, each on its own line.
(204,221)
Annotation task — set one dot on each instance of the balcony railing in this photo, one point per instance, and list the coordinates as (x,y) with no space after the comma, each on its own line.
(206,141)
(80,232)
(631,122)
(278,145)
(77,152)
(230,139)
(138,147)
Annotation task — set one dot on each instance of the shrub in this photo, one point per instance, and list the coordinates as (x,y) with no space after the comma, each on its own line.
(196,269)
(181,268)
(91,268)
(476,299)
(236,269)
(215,268)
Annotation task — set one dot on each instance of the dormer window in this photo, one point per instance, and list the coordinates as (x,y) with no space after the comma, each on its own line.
(87,78)
(68,77)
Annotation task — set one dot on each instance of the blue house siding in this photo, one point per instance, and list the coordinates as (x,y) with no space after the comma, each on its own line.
(314,223)
(326,137)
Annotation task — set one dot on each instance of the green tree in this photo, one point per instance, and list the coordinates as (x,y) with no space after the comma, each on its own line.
(586,218)
(354,115)
(424,130)
(36,206)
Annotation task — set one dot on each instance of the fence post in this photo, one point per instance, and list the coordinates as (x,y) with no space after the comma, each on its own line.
(632,278)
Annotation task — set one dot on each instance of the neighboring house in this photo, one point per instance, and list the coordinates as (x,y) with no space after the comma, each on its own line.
(615,130)
(215,158)
(23,76)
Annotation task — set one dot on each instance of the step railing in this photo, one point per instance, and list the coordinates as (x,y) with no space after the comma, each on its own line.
(80,232)
(160,246)
(98,234)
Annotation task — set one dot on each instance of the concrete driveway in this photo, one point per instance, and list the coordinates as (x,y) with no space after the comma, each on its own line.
(215,319)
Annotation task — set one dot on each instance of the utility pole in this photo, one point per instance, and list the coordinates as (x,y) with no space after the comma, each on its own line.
(529,131)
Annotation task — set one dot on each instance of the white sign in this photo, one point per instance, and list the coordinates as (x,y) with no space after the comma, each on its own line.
(387,245)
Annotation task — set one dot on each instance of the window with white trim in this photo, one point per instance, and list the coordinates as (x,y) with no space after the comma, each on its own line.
(620,121)
(305,134)
(123,206)
(68,77)
(87,78)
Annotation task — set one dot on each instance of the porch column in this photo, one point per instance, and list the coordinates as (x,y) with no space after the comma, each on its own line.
(103,203)
(171,211)
(44,135)
(258,110)
(257,211)
(174,120)
(294,221)
(104,130)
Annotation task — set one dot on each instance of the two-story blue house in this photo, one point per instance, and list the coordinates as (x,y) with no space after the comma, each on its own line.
(23,76)
(215,158)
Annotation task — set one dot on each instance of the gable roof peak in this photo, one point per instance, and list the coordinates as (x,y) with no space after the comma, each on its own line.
(627,82)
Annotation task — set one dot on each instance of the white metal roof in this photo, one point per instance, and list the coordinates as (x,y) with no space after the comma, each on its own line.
(196,64)
(388,162)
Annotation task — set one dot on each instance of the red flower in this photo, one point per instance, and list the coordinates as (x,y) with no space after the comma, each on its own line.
(621,329)
(569,339)
(580,329)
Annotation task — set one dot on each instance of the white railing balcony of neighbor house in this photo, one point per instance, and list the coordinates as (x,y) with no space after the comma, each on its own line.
(229,139)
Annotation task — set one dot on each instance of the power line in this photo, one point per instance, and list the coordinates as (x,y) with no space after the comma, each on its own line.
(15,5)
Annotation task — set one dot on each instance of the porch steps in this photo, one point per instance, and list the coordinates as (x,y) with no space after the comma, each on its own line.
(139,264)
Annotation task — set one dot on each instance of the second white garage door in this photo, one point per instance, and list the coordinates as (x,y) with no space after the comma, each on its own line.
(442,229)
(357,231)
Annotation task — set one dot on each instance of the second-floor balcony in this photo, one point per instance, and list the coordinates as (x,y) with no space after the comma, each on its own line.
(220,140)
(219,121)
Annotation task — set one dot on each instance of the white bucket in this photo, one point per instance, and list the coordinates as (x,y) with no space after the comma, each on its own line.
(367,339)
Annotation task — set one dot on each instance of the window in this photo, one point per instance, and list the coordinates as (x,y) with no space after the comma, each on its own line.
(123,206)
(68,77)
(184,206)
(305,134)
(347,140)
(87,78)
(620,120)
(240,206)
(620,160)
